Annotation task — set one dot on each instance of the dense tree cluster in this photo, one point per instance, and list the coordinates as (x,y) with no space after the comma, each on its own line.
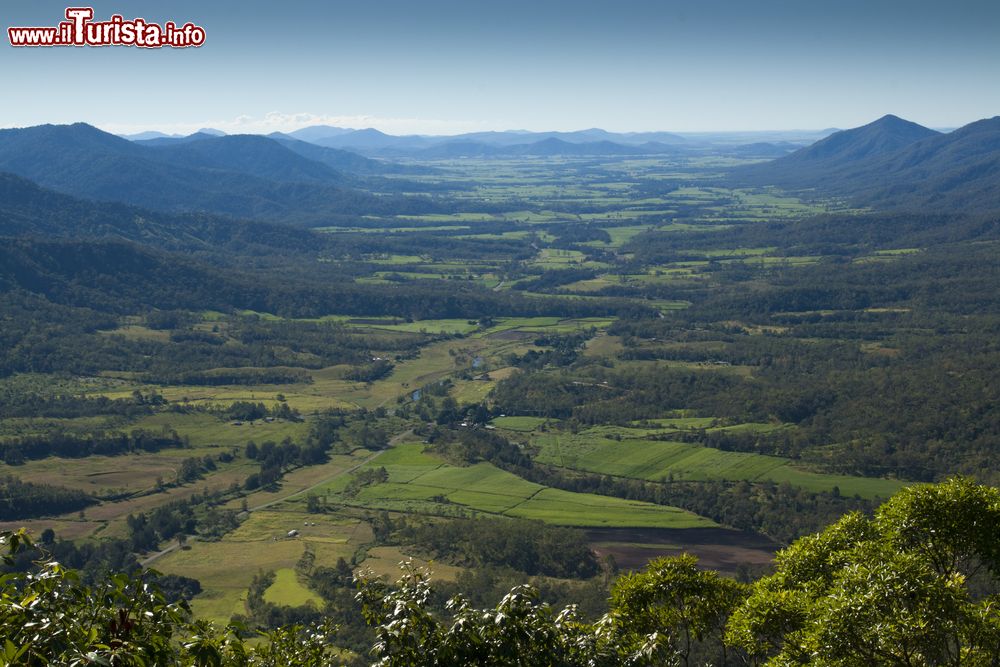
(15,451)
(529,547)
(23,500)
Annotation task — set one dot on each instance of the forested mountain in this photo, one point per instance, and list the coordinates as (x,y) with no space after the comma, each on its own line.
(117,258)
(160,139)
(120,277)
(369,139)
(958,170)
(897,164)
(249,154)
(882,136)
(29,210)
(251,177)
(345,161)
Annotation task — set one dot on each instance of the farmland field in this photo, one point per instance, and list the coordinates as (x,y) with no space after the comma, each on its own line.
(422,483)
(288,590)
(260,544)
(657,460)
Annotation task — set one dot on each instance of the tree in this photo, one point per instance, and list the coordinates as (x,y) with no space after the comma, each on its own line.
(313,504)
(892,590)
(673,610)
(519,631)
(47,617)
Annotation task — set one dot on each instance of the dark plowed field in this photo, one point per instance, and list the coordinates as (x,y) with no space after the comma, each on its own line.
(717,548)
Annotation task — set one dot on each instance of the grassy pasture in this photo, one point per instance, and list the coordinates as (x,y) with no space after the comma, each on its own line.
(302,397)
(132,473)
(138,473)
(288,590)
(299,482)
(429,326)
(226,568)
(65,528)
(206,430)
(603,346)
(475,391)
(52,385)
(15,427)
(587,510)
(684,422)
(591,284)
(385,562)
(138,332)
(523,424)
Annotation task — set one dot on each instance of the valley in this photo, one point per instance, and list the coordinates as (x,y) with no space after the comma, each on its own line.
(641,352)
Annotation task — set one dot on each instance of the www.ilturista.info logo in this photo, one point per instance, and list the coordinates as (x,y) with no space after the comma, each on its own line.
(79,29)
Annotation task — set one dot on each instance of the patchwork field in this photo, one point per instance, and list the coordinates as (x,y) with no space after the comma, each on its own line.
(422,483)
(227,567)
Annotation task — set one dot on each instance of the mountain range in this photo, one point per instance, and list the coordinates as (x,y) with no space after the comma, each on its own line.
(592,142)
(889,163)
(246,176)
(370,139)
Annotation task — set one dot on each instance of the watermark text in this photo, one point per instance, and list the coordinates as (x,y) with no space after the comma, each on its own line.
(80,29)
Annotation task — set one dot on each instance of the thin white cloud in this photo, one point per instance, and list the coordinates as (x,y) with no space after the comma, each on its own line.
(276,121)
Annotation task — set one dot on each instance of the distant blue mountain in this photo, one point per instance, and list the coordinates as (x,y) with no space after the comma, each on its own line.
(241,175)
(146,136)
(373,142)
(882,136)
(318,132)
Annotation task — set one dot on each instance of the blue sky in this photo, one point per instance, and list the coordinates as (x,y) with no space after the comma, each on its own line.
(444,67)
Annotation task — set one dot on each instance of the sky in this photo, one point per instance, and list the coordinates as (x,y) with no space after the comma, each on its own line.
(446,67)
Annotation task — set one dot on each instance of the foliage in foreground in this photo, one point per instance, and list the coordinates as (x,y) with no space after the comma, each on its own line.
(914,585)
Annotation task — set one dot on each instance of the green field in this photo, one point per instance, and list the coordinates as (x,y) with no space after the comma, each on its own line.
(525,424)
(288,590)
(423,483)
(226,568)
(657,460)
(205,430)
